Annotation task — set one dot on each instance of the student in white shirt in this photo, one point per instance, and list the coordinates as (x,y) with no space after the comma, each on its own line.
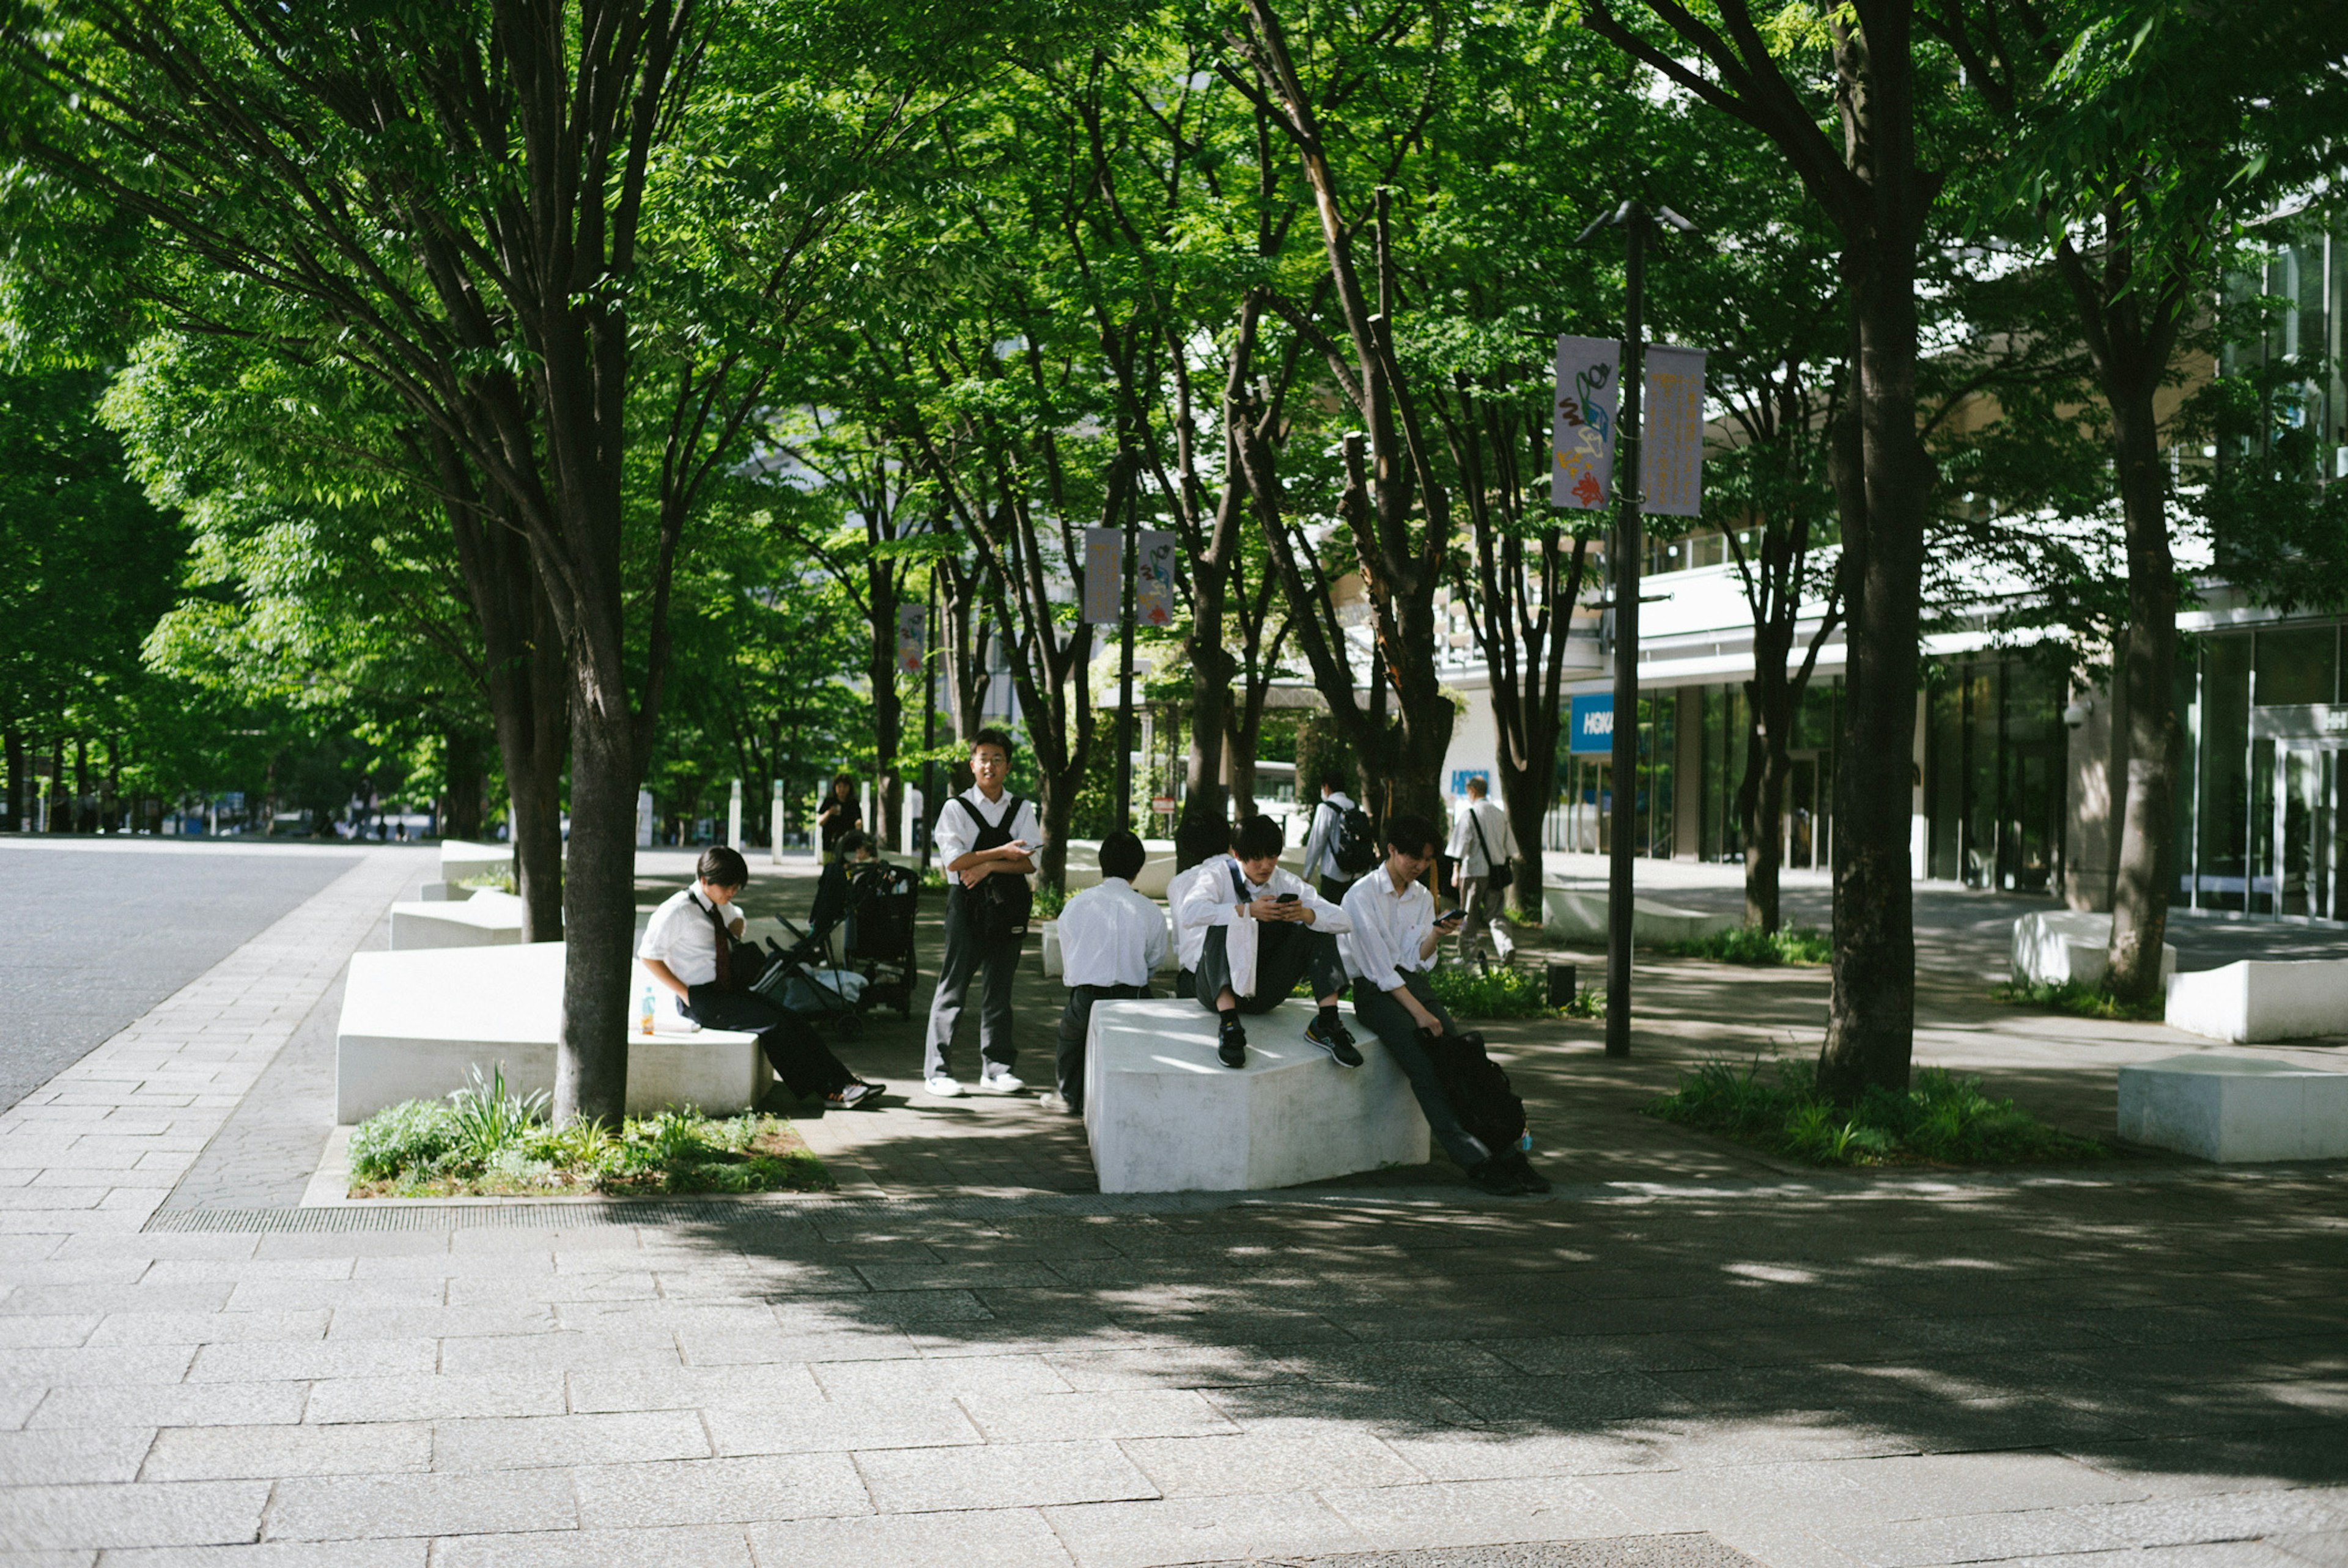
(1264,930)
(1479,839)
(681,951)
(1393,938)
(1321,842)
(983,832)
(1112,940)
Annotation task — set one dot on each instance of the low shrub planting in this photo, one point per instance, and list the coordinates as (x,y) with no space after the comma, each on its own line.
(2080,1001)
(1941,1119)
(1787,944)
(1050,902)
(1504,992)
(484,1140)
(499,878)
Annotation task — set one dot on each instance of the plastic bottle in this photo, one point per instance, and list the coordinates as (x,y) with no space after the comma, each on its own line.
(647,1015)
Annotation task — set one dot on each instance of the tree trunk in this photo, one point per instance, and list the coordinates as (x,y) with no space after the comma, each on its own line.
(1204,830)
(888,709)
(2148,672)
(590,1072)
(1761,815)
(1871,1016)
(468,786)
(16,796)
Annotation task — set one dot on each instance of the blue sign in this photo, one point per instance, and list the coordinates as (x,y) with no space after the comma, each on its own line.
(1460,777)
(1592,729)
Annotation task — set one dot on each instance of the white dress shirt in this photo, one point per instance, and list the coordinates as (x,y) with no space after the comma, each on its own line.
(1320,839)
(679,936)
(1189,941)
(1387,928)
(1111,935)
(1211,901)
(1463,848)
(956,833)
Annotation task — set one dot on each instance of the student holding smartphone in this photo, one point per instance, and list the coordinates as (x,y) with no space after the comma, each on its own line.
(1265,928)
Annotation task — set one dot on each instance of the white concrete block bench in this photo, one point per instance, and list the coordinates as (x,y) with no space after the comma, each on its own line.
(1581,913)
(413,1024)
(2054,947)
(488,919)
(2221,1106)
(462,859)
(1163,1115)
(2258,999)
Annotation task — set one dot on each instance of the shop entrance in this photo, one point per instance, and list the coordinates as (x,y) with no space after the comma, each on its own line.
(2308,874)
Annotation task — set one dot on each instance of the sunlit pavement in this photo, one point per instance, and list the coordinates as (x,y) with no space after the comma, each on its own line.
(1690,1353)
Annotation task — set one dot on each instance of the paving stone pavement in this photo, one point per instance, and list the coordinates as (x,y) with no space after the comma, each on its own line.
(1691,1359)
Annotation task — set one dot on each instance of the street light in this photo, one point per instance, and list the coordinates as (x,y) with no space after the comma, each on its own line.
(1635,220)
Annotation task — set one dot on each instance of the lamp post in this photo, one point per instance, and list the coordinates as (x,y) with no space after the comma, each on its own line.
(1635,220)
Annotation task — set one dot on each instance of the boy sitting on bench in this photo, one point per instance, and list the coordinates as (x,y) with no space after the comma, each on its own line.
(1112,940)
(1265,929)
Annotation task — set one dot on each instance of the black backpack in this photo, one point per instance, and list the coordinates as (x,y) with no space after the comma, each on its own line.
(1000,906)
(1478,1090)
(1353,848)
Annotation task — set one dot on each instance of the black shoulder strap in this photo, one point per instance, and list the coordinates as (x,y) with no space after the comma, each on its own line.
(1238,888)
(1477,827)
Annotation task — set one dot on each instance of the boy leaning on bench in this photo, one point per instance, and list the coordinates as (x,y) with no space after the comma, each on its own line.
(1112,940)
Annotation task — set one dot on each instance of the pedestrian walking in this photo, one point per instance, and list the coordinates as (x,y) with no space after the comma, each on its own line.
(1485,847)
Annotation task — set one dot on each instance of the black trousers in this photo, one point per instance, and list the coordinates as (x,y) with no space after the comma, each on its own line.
(968,957)
(1285,952)
(793,1049)
(1075,1026)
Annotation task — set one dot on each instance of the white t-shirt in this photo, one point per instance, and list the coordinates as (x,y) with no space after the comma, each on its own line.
(680,935)
(956,835)
(1111,935)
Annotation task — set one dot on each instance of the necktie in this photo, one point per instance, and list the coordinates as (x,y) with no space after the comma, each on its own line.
(724,943)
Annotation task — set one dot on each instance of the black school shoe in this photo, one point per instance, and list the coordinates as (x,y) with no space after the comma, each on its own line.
(1493,1177)
(1517,1165)
(1338,1041)
(1230,1044)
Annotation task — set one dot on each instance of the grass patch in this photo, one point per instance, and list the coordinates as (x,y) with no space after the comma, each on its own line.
(2081,1001)
(1942,1120)
(1787,944)
(485,1141)
(1505,992)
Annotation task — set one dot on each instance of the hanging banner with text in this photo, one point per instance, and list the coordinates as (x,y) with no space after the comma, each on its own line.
(1104,576)
(1671,433)
(1153,579)
(912,636)
(1582,430)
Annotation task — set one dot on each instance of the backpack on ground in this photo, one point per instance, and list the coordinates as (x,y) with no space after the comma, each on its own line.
(1478,1090)
(1353,848)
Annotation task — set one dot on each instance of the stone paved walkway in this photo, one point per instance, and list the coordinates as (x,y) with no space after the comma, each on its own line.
(1689,1356)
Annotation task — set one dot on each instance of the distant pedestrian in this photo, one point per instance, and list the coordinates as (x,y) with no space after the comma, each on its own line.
(687,948)
(1321,842)
(984,835)
(1392,941)
(1482,844)
(1112,940)
(841,813)
(1265,930)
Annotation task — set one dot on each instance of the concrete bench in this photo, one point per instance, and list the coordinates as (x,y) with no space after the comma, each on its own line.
(488,919)
(2259,1000)
(1163,1115)
(462,860)
(1580,913)
(2054,947)
(413,1023)
(2220,1106)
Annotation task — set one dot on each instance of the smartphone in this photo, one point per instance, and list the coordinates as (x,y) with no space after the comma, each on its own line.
(1287,899)
(1450,914)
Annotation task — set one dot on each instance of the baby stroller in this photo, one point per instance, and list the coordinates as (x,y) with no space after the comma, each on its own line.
(805,980)
(881,902)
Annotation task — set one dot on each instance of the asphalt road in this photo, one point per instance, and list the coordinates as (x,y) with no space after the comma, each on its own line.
(97,936)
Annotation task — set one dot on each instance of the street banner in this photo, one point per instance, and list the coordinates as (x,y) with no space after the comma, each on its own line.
(1581,431)
(912,636)
(1153,579)
(1671,433)
(1104,576)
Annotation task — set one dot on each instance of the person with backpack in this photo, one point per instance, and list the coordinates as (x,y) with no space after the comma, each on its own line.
(1340,846)
(1391,942)
(985,839)
(1484,847)
(1112,940)
(1263,930)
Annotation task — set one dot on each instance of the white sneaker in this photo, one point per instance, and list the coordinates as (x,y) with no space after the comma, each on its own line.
(945,1086)
(1001,1083)
(1503,943)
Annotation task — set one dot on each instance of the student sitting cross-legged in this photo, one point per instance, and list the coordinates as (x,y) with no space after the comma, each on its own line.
(1112,940)
(1265,929)
(1392,937)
